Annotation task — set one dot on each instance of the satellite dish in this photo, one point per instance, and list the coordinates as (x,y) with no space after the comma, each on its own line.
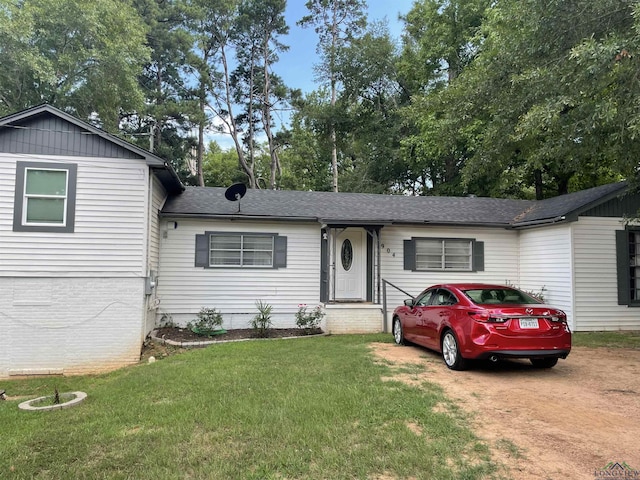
(235,192)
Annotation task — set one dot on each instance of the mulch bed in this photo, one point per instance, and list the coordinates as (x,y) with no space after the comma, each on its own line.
(186,335)
(159,350)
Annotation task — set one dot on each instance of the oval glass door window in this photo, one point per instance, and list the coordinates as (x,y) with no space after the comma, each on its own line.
(347,255)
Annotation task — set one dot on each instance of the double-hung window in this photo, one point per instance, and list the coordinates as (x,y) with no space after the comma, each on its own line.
(45,197)
(240,250)
(444,254)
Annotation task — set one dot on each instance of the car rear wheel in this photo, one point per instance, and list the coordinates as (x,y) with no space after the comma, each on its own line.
(451,352)
(544,362)
(398,334)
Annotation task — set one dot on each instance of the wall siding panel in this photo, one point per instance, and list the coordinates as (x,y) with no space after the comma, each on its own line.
(111,218)
(546,261)
(184,289)
(596,294)
(158,197)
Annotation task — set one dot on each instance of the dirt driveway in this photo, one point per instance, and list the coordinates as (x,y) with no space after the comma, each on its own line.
(567,422)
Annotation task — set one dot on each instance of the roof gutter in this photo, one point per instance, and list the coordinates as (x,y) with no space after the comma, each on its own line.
(238,217)
(179,186)
(455,224)
(537,223)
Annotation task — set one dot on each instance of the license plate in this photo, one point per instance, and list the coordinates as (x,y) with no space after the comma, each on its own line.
(528,323)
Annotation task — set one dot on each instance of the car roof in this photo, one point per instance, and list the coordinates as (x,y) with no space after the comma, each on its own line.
(471,286)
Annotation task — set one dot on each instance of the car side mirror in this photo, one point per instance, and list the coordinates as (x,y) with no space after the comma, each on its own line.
(409,302)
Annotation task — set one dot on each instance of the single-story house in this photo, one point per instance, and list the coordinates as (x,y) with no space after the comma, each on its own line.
(100,241)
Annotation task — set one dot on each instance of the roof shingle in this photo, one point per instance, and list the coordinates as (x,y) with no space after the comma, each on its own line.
(349,208)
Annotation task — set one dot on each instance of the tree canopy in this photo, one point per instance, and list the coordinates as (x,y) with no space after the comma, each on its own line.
(514,98)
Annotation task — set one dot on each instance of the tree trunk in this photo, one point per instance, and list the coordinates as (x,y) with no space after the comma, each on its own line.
(332,133)
(537,180)
(201,125)
(247,168)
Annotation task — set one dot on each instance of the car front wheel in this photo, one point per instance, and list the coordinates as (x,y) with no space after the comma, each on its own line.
(544,362)
(398,334)
(451,352)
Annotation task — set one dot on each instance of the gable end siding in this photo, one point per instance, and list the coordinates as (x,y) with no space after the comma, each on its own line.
(50,135)
(618,207)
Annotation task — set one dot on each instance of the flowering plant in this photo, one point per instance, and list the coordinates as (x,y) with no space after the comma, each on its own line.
(309,320)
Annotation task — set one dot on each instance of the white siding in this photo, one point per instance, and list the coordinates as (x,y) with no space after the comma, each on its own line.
(596,288)
(75,302)
(158,197)
(500,260)
(110,227)
(546,261)
(184,289)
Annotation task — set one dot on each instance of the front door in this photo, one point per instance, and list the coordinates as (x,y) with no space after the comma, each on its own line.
(350,261)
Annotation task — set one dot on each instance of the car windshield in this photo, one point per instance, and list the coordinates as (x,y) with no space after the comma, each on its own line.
(485,296)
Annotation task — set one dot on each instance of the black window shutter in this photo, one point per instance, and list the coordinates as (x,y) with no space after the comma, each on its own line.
(478,256)
(622,257)
(324,266)
(280,252)
(410,255)
(202,251)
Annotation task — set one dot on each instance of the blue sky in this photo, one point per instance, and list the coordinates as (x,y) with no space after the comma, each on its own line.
(296,65)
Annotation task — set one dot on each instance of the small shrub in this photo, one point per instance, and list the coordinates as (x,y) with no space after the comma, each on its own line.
(539,294)
(261,323)
(309,320)
(166,321)
(208,321)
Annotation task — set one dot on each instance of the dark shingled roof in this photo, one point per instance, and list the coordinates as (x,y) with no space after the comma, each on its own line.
(372,209)
(553,209)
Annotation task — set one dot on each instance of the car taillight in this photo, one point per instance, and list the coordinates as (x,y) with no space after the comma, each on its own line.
(484,317)
(559,317)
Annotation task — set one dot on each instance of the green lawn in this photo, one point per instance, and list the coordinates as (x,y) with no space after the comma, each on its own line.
(623,339)
(313,408)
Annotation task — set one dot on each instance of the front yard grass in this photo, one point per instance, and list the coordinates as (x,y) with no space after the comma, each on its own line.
(620,339)
(315,408)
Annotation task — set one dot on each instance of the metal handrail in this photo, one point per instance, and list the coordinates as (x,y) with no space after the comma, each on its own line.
(384,301)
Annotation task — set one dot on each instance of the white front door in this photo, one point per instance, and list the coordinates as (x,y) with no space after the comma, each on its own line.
(350,262)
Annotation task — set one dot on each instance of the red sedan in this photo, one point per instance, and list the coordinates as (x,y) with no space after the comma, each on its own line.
(477,321)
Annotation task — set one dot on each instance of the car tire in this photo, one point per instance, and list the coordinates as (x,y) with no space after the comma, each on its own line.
(398,333)
(451,352)
(544,362)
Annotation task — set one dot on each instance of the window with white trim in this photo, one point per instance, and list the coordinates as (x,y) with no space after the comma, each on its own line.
(240,250)
(45,197)
(444,254)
